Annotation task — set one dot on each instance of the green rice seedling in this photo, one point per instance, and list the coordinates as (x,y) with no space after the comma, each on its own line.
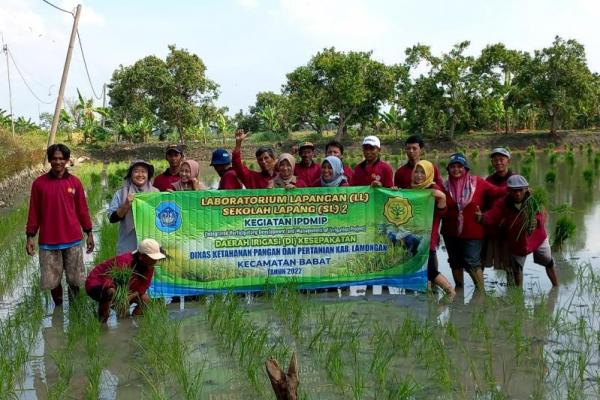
(570,157)
(596,160)
(550,177)
(475,154)
(404,388)
(554,157)
(588,176)
(490,169)
(526,171)
(564,230)
(531,151)
(121,277)
(443,164)
(581,148)
(589,151)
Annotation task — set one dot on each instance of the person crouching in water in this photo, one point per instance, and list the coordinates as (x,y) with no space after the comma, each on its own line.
(188,174)
(100,286)
(423,176)
(332,173)
(524,231)
(285,177)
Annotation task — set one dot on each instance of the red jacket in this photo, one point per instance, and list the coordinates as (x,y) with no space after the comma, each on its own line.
(100,275)
(165,181)
(317,183)
(229,181)
(497,181)
(505,217)
(365,174)
(438,214)
(58,209)
(471,228)
(250,179)
(307,174)
(403,176)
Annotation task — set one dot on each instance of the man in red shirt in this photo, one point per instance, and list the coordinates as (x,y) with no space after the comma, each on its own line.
(100,286)
(59,210)
(307,170)
(413,146)
(265,157)
(500,158)
(174,156)
(221,162)
(372,171)
(335,148)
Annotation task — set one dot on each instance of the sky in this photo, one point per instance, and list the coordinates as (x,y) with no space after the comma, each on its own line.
(249,46)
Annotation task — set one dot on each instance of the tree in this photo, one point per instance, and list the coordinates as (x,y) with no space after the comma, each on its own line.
(495,69)
(558,81)
(91,127)
(339,86)
(174,90)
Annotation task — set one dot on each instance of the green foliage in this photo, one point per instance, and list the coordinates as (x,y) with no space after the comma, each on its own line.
(565,229)
(588,176)
(174,90)
(550,176)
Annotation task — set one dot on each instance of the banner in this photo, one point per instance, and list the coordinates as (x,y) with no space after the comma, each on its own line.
(248,240)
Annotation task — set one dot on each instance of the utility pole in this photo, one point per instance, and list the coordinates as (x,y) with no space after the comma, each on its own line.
(103,101)
(63,81)
(12,117)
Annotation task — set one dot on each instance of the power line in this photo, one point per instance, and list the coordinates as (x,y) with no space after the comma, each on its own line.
(86,67)
(25,81)
(57,7)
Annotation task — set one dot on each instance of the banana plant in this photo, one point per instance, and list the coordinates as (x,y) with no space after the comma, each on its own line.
(269,118)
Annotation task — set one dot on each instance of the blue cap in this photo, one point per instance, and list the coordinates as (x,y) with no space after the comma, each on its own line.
(220,157)
(459,158)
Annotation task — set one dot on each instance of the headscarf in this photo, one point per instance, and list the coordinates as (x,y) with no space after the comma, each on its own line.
(338,172)
(194,172)
(429,174)
(131,188)
(461,190)
(279,182)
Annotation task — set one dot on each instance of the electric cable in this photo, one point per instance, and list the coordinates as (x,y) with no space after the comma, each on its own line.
(25,81)
(57,7)
(86,67)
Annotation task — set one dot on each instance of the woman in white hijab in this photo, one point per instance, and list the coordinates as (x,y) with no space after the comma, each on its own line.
(137,180)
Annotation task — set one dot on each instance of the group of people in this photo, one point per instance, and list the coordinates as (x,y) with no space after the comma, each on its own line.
(481,220)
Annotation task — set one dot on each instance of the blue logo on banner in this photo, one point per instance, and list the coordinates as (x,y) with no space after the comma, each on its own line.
(168,216)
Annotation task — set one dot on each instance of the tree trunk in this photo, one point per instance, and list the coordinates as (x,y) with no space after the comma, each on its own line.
(506,121)
(340,131)
(553,122)
(452,127)
(285,385)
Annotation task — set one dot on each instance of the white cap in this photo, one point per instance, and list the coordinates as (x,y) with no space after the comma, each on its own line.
(151,248)
(372,141)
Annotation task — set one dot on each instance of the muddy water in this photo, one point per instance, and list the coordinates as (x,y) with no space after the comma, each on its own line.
(518,377)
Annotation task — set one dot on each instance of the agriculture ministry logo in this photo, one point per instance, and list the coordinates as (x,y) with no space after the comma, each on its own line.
(168,216)
(397,210)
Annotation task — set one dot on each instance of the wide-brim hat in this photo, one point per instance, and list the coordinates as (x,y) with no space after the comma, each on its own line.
(146,164)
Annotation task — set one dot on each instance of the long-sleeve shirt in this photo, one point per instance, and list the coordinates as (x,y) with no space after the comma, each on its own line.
(127,241)
(307,174)
(229,180)
(507,219)
(58,210)
(365,174)
(250,179)
(99,276)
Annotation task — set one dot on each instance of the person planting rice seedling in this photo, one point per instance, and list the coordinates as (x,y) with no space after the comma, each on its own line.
(520,216)
(221,162)
(460,229)
(174,156)
(188,172)
(137,180)
(413,147)
(332,173)
(285,177)
(124,279)
(58,210)
(265,157)
(423,177)
(372,171)
(307,169)
(335,148)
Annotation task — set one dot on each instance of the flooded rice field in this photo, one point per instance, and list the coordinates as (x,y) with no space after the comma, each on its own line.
(359,342)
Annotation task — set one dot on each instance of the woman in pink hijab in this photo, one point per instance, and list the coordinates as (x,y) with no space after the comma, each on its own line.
(465,194)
